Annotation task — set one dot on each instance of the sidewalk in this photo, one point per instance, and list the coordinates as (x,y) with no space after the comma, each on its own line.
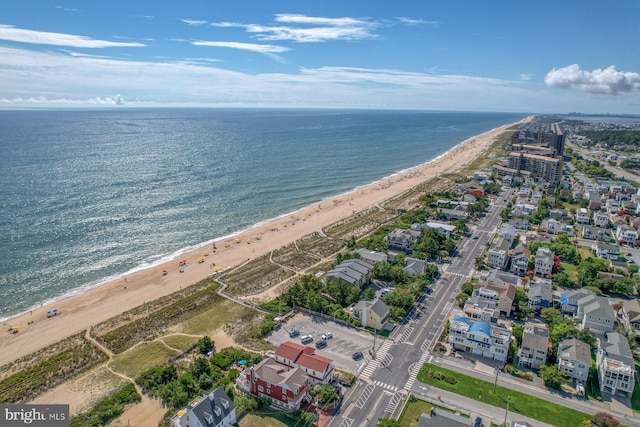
(506,380)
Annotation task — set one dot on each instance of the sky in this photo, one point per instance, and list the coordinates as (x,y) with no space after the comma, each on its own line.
(531,56)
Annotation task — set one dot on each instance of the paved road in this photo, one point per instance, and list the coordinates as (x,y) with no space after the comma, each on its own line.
(386,381)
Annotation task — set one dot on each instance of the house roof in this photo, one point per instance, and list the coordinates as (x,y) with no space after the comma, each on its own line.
(535,335)
(377,306)
(290,350)
(499,277)
(481,326)
(575,349)
(314,362)
(507,290)
(276,373)
(540,289)
(596,306)
(303,355)
(374,256)
(442,418)
(617,347)
(212,408)
(632,307)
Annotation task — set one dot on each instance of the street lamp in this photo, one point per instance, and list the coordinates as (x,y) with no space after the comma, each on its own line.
(495,383)
(507,412)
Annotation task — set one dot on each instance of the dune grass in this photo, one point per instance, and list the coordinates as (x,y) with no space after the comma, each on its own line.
(145,356)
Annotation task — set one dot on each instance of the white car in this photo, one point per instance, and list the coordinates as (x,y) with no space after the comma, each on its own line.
(306,339)
(327,336)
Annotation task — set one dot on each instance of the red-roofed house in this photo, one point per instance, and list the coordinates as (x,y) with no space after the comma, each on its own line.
(318,368)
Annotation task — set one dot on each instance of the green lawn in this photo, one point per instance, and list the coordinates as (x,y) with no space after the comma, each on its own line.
(414,408)
(570,269)
(181,342)
(268,419)
(135,361)
(520,403)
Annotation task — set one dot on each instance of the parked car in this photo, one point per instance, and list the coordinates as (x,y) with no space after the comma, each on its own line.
(357,355)
(321,344)
(293,333)
(327,336)
(306,339)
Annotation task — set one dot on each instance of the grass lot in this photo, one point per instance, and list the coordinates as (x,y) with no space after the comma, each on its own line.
(521,403)
(181,342)
(269,419)
(145,356)
(585,252)
(571,270)
(415,408)
(212,319)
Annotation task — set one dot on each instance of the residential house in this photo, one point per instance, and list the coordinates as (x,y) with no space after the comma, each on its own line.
(569,300)
(535,343)
(497,255)
(595,313)
(600,219)
(414,266)
(583,216)
(520,223)
(440,227)
(472,188)
(554,226)
(627,234)
(558,214)
(596,233)
(630,315)
(453,214)
(286,387)
(502,278)
(374,314)
(540,294)
(443,418)
(606,251)
(507,232)
(612,206)
(213,409)
(352,271)
(478,337)
(485,310)
(544,262)
(524,209)
(319,369)
(574,358)
(503,295)
(520,260)
(402,240)
(616,367)
(371,257)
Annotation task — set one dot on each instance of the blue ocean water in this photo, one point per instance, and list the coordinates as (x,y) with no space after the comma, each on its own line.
(88,196)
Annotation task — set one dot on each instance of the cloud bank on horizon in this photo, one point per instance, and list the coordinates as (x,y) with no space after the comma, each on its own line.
(333,55)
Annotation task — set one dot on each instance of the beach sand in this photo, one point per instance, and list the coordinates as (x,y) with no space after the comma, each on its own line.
(96,305)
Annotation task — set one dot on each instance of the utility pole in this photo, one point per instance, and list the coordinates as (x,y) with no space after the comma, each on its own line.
(507,413)
(495,383)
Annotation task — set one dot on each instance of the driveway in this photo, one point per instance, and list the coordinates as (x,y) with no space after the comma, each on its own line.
(344,343)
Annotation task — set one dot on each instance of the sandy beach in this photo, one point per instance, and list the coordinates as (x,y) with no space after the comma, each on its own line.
(96,305)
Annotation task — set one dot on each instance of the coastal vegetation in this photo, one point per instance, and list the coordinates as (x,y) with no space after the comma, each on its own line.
(107,409)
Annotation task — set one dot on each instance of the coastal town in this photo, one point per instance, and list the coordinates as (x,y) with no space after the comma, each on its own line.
(500,290)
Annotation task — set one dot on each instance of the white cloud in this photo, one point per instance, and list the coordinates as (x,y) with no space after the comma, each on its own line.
(309,29)
(193,22)
(11,33)
(608,81)
(410,21)
(253,47)
(526,77)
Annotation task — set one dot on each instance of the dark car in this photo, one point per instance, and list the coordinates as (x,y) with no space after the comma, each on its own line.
(321,344)
(357,355)
(293,333)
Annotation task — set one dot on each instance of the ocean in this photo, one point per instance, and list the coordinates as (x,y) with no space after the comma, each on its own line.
(88,196)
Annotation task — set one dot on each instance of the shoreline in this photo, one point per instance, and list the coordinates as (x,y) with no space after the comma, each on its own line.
(85,307)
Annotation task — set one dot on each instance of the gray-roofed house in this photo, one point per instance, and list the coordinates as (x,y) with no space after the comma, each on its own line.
(596,233)
(213,409)
(606,251)
(370,256)
(442,418)
(352,271)
(574,358)
(497,255)
(540,294)
(569,300)
(453,214)
(440,227)
(630,315)
(507,232)
(502,278)
(616,367)
(374,314)
(402,240)
(414,266)
(535,343)
(595,313)
(520,260)
(544,262)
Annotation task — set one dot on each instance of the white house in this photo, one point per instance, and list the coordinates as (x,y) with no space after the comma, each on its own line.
(582,216)
(627,234)
(544,262)
(213,409)
(600,219)
(574,358)
(479,337)
(616,367)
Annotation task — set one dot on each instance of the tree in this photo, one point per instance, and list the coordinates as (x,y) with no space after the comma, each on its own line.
(369,294)
(467,288)
(205,344)
(602,419)
(461,299)
(553,377)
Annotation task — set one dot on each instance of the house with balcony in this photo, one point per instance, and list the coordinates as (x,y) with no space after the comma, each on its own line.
(355,272)
(480,338)
(606,251)
(285,387)
(600,219)
(574,358)
(544,262)
(520,260)
(213,409)
(616,367)
(497,255)
(569,300)
(583,216)
(630,316)
(612,206)
(595,313)
(540,294)
(502,295)
(507,232)
(501,278)
(479,309)
(596,233)
(626,234)
(402,240)
(319,369)
(535,345)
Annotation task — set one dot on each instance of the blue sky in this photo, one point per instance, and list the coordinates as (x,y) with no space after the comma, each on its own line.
(526,56)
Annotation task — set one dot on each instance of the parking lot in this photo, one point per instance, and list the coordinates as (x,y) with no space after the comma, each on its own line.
(340,348)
